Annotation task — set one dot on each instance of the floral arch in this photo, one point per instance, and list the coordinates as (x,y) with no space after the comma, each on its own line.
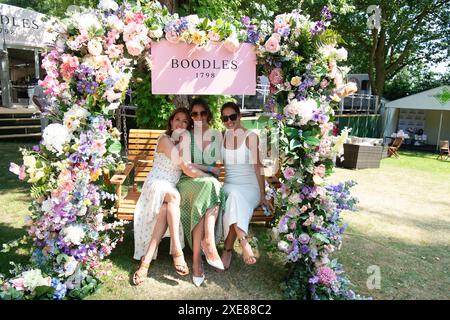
(72,227)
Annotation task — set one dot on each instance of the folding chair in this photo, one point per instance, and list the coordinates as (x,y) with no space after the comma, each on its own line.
(444,150)
(392,150)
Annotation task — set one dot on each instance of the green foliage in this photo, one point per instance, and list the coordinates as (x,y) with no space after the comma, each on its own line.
(294,286)
(55,8)
(213,9)
(153,111)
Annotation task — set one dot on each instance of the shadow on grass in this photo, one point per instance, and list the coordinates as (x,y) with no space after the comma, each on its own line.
(18,255)
(254,281)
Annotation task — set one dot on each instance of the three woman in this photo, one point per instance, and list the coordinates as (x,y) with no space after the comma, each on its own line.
(197,199)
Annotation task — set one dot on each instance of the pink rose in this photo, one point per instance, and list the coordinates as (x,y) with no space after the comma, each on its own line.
(18,284)
(276,76)
(272,45)
(289,173)
(231,44)
(172,37)
(134,48)
(114,51)
(320,171)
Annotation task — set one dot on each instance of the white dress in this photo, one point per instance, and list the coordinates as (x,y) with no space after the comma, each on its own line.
(241,188)
(162,179)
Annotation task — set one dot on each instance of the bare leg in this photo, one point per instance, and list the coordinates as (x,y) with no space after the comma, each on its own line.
(173,220)
(228,247)
(210,243)
(249,257)
(158,231)
(197,236)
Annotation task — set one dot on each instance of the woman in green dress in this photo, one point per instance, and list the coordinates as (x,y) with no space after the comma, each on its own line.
(202,198)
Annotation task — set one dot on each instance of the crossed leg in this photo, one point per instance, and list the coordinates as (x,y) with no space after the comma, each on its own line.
(247,252)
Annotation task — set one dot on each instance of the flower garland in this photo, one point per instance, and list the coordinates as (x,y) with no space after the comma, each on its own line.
(72,226)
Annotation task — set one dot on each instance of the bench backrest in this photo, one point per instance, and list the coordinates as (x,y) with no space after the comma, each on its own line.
(141,150)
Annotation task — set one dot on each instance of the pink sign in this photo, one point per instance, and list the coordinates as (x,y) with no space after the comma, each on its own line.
(188,69)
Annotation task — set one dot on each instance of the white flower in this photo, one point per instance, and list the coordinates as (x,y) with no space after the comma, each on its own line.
(86,21)
(115,23)
(33,278)
(29,161)
(73,234)
(70,266)
(74,116)
(341,54)
(157,33)
(283,246)
(47,205)
(304,109)
(55,136)
(231,44)
(107,5)
(95,47)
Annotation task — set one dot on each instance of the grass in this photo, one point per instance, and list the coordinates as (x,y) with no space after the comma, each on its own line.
(402,227)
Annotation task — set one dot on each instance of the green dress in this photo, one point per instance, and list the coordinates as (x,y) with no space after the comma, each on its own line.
(198,195)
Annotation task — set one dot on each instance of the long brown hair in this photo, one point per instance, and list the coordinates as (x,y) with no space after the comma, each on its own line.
(172,116)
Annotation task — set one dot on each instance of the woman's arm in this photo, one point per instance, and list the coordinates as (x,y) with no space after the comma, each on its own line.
(207,169)
(168,148)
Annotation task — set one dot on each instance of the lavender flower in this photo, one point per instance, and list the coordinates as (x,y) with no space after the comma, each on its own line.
(60,289)
(319,27)
(245,21)
(325,13)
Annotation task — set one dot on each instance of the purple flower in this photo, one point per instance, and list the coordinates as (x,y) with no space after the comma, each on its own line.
(304,238)
(313,280)
(245,21)
(319,27)
(325,13)
(305,249)
(252,36)
(326,276)
(36,148)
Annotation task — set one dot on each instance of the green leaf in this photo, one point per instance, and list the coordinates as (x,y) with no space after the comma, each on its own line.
(115,147)
(312,141)
(321,237)
(42,291)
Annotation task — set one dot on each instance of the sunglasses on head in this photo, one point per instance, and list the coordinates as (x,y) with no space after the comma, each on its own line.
(202,113)
(231,117)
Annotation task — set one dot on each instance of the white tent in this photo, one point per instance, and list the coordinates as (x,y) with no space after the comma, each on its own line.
(433,104)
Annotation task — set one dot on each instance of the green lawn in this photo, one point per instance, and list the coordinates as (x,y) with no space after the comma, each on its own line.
(402,226)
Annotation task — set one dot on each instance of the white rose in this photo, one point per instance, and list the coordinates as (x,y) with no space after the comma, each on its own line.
(107,5)
(95,47)
(55,136)
(158,33)
(341,54)
(73,234)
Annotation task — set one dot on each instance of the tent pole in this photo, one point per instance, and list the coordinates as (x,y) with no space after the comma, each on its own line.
(439,132)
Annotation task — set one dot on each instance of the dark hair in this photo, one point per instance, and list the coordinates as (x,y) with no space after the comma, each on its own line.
(231,105)
(204,104)
(172,116)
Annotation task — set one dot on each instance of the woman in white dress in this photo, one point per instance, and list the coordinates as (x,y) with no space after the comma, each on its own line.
(244,183)
(158,205)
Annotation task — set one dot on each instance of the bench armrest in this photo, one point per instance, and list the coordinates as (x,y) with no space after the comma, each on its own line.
(119,178)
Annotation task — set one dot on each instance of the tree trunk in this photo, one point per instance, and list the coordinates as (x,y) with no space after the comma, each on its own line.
(172,5)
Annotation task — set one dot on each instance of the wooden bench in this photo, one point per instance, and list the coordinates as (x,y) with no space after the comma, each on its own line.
(141,149)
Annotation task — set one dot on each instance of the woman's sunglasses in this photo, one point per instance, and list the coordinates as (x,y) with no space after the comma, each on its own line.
(202,113)
(231,117)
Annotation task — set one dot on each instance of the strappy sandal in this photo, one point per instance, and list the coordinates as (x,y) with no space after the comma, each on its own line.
(181,269)
(246,260)
(138,276)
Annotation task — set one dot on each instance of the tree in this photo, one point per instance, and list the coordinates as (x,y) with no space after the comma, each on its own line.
(410,33)
(55,8)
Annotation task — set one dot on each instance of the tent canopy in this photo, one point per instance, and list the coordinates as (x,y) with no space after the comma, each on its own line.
(433,99)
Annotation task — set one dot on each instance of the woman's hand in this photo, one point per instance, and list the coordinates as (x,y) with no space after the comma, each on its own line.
(215,171)
(266,203)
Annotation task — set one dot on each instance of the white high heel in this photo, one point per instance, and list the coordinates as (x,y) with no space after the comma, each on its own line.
(198,280)
(218,264)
